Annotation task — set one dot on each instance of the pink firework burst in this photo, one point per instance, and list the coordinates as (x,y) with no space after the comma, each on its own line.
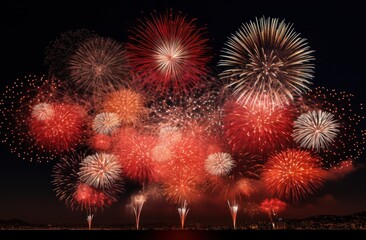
(257,129)
(135,154)
(168,52)
(62,131)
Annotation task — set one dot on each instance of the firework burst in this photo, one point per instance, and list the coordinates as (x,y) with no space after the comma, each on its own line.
(43,111)
(99,64)
(135,155)
(267,61)
(106,123)
(315,129)
(63,131)
(168,52)
(100,170)
(101,142)
(219,164)
(255,129)
(127,104)
(272,207)
(350,141)
(293,174)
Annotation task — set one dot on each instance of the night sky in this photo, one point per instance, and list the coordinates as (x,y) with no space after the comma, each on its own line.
(336,33)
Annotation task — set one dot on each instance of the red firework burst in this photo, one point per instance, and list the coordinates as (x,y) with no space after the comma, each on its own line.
(90,198)
(272,206)
(168,52)
(293,174)
(62,131)
(101,142)
(135,153)
(256,129)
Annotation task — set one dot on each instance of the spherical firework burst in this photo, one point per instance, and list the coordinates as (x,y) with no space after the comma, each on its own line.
(58,53)
(18,103)
(106,123)
(42,111)
(77,195)
(99,64)
(63,131)
(161,153)
(315,129)
(349,143)
(135,155)
(168,52)
(100,170)
(256,129)
(219,164)
(127,104)
(293,174)
(267,61)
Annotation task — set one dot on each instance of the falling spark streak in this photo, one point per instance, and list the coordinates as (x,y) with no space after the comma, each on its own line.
(183,212)
(233,211)
(137,204)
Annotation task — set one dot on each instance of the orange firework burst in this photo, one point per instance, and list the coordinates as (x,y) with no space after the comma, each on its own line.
(255,129)
(293,174)
(128,104)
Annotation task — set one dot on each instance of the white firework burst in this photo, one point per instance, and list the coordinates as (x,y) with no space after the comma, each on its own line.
(315,129)
(219,164)
(170,134)
(106,123)
(161,153)
(266,61)
(100,170)
(42,111)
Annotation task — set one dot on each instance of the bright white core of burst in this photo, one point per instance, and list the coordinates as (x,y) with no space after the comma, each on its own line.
(219,164)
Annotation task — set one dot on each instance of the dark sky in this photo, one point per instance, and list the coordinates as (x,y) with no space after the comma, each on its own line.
(336,32)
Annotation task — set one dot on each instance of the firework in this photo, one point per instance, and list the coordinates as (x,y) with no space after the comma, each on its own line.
(23,102)
(135,155)
(126,103)
(267,61)
(100,170)
(170,135)
(251,209)
(58,53)
(315,129)
(350,141)
(293,174)
(101,142)
(106,123)
(219,164)
(272,207)
(63,131)
(168,52)
(161,153)
(43,111)
(137,202)
(233,211)
(183,212)
(98,64)
(255,129)
(66,178)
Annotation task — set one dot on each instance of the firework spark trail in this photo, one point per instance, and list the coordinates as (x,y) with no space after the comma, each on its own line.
(99,64)
(233,211)
(137,202)
(168,52)
(315,129)
(100,170)
(267,61)
(293,174)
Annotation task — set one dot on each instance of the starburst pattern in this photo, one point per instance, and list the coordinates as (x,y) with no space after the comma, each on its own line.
(315,129)
(219,164)
(267,61)
(106,123)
